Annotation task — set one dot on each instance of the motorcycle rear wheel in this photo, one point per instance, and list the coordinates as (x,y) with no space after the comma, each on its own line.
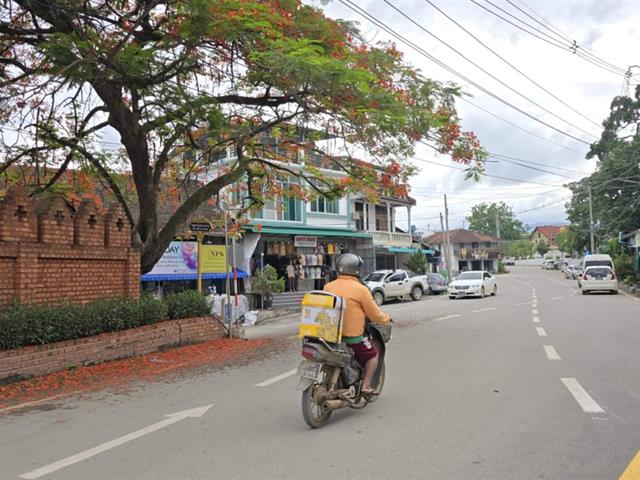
(312,411)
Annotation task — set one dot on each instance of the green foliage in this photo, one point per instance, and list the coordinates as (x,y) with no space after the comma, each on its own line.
(22,325)
(502,268)
(186,304)
(542,247)
(568,241)
(615,185)
(417,263)
(483,220)
(624,266)
(266,282)
(522,248)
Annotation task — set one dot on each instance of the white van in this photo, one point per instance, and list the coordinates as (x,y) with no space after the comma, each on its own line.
(597,261)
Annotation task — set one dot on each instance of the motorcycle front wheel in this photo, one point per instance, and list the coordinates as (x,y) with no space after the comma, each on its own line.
(312,411)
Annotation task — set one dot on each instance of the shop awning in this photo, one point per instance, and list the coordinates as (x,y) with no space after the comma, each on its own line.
(318,232)
(409,250)
(174,277)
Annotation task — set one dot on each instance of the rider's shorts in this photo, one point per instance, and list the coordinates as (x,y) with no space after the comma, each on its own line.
(364,350)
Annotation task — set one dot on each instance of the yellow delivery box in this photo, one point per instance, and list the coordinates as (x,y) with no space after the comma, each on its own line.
(322,316)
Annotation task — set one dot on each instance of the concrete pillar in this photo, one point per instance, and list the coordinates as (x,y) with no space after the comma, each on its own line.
(388,217)
(409,219)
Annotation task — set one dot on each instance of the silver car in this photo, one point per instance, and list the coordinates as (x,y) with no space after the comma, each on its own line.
(599,278)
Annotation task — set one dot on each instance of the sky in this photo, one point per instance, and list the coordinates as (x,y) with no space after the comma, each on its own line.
(610,30)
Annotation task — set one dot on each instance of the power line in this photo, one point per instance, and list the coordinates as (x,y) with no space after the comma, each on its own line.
(555,30)
(507,157)
(486,72)
(553,42)
(423,52)
(529,132)
(520,180)
(511,65)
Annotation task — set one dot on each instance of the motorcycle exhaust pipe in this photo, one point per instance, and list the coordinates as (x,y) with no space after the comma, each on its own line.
(331,405)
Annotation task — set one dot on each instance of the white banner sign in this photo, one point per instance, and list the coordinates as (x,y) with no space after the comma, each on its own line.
(178,258)
(305,241)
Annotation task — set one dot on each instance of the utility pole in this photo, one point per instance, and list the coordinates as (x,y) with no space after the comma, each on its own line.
(591,237)
(447,239)
(497,224)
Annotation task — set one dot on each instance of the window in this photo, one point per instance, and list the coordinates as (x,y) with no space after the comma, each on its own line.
(324,205)
(474,245)
(398,277)
(486,275)
(487,245)
(282,208)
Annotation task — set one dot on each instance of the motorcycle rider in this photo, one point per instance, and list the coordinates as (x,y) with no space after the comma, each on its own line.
(359,306)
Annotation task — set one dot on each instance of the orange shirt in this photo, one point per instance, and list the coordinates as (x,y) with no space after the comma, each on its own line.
(360,305)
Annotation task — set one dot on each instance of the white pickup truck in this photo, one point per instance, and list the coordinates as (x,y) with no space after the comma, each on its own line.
(388,284)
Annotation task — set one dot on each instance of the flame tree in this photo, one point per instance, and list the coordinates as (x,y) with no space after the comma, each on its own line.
(160,71)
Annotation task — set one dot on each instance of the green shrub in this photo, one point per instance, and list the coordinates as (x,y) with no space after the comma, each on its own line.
(502,268)
(151,310)
(187,304)
(22,325)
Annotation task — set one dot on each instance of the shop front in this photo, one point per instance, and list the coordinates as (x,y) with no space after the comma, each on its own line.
(177,269)
(305,257)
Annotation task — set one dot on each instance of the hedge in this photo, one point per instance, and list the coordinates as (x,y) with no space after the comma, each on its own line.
(23,325)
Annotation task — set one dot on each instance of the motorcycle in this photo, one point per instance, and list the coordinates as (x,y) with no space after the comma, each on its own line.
(331,378)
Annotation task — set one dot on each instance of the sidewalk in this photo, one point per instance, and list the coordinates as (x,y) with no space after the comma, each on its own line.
(279,324)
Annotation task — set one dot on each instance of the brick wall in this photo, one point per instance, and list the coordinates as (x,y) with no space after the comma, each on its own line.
(51,253)
(43,359)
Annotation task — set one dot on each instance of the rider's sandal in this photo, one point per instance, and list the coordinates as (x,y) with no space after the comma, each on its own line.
(369,393)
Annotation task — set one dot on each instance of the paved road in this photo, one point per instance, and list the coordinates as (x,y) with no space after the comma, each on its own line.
(536,383)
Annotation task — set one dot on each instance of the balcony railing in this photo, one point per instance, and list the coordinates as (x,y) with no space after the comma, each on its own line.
(391,239)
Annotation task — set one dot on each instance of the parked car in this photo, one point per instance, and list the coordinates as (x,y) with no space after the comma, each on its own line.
(597,260)
(437,283)
(599,278)
(388,284)
(509,262)
(548,265)
(473,283)
(572,271)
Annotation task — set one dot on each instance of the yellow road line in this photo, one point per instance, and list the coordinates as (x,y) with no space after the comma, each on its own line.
(633,470)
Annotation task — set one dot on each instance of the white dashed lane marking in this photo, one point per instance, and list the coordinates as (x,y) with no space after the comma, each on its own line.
(541,332)
(586,402)
(277,378)
(447,317)
(483,310)
(551,352)
(536,319)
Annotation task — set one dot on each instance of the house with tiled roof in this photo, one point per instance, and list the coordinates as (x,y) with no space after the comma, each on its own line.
(470,250)
(547,233)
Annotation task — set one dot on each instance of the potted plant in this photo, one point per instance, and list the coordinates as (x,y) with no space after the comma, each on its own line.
(266,282)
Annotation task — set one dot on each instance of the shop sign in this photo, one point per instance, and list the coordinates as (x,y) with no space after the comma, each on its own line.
(305,241)
(213,258)
(200,227)
(178,258)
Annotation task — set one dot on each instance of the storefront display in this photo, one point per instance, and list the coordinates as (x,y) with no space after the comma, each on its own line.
(312,258)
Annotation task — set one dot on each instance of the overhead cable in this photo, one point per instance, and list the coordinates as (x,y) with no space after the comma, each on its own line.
(382,25)
(573,48)
(510,64)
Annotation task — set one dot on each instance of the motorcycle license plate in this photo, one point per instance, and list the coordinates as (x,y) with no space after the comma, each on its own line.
(310,370)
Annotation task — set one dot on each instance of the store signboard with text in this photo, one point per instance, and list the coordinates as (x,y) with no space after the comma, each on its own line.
(213,258)
(179,258)
(305,241)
